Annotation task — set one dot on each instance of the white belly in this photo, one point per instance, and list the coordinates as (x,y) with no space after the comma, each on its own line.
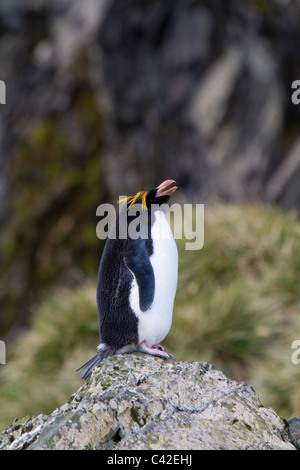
(155,323)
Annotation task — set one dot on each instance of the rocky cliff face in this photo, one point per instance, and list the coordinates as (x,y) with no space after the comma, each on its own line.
(202,90)
(141,402)
(199,90)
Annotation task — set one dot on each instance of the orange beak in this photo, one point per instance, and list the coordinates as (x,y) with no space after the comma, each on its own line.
(162,188)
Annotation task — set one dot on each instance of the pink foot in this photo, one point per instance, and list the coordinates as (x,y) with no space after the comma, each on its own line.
(155,350)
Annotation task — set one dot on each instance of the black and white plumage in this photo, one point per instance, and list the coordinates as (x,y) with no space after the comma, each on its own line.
(137,282)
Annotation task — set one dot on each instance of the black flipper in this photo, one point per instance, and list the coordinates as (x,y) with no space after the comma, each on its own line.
(137,260)
(87,368)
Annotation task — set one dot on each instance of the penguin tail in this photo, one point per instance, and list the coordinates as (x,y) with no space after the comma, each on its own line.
(103,351)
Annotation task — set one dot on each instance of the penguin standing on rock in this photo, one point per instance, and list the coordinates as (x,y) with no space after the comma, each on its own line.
(137,279)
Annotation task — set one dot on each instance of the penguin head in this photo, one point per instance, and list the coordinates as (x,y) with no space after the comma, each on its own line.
(159,195)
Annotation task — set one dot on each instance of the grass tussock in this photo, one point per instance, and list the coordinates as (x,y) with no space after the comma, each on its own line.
(237,306)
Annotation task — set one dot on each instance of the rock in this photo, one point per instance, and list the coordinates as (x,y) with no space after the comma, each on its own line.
(293,431)
(141,402)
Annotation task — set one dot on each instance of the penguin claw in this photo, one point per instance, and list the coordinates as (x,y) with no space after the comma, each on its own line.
(155,350)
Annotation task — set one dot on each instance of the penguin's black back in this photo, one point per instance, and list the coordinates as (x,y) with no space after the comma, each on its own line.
(118,324)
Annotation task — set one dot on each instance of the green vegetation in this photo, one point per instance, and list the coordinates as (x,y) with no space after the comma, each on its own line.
(237,306)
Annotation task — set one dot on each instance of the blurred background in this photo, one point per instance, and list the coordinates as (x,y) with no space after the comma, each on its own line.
(108,97)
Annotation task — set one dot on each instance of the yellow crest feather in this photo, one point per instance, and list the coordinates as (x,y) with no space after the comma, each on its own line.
(133,199)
